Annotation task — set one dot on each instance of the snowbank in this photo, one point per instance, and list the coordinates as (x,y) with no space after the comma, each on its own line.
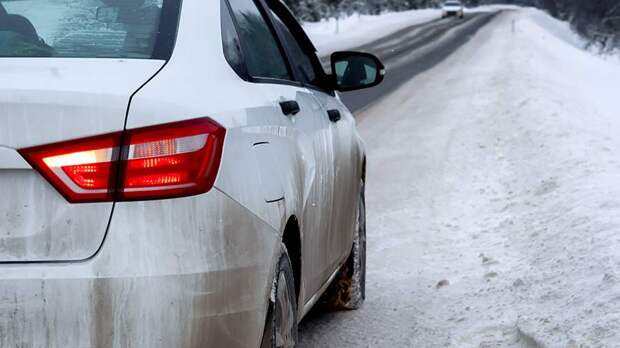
(566,156)
(331,35)
(556,27)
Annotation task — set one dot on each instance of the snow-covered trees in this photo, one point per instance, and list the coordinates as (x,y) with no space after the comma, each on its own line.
(314,10)
(598,20)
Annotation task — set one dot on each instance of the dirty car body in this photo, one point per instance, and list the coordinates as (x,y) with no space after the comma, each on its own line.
(148,175)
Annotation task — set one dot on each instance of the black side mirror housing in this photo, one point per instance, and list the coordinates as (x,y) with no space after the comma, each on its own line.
(356,70)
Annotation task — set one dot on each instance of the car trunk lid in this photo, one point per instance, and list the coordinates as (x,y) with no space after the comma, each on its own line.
(44,101)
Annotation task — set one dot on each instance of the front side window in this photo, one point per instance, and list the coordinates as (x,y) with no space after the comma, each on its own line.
(263,56)
(88,28)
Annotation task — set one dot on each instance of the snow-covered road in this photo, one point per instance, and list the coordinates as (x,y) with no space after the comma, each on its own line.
(413,50)
(493,200)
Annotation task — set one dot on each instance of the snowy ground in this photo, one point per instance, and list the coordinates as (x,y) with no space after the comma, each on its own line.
(493,200)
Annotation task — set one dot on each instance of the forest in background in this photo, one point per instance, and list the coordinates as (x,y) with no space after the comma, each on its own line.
(315,10)
(596,20)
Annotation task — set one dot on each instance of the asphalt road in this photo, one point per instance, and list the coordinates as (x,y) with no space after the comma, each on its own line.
(413,50)
(406,53)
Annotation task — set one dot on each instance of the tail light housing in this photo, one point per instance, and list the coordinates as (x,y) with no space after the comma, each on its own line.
(164,161)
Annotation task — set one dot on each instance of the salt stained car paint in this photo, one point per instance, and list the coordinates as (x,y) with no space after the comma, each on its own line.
(170,178)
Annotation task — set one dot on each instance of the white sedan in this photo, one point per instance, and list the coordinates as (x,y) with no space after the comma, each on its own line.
(174,174)
(453,8)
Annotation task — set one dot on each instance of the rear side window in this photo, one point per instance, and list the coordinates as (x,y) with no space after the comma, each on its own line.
(263,56)
(143,29)
(301,60)
(231,43)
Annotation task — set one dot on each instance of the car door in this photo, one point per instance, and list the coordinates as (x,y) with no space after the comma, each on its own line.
(341,128)
(299,130)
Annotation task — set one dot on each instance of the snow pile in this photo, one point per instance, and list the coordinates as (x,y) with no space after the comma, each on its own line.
(556,27)
(564,210)
(332,35)
(541,190)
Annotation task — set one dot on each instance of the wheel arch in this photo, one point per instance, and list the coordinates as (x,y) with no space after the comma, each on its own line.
(291,238)
(364,168)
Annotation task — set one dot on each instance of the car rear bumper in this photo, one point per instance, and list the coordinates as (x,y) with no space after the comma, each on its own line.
(191,272)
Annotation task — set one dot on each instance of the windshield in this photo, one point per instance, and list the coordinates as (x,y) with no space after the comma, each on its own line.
(452,4)
(88,28)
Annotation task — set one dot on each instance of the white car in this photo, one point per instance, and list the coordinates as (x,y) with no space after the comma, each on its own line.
(452,8)
(174,174)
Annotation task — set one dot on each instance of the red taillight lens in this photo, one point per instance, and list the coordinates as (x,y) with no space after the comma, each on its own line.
(172,160)
(81,170)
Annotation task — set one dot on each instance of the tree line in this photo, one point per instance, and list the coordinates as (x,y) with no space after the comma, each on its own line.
(597,20)
(315,10)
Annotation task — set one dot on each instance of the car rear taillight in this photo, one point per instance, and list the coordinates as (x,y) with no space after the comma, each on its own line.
(165,161)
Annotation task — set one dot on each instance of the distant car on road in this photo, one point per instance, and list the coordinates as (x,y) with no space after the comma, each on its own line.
(452,8)
(174,176)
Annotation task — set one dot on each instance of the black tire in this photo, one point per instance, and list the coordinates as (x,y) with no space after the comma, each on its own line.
(281,322)
(348,290)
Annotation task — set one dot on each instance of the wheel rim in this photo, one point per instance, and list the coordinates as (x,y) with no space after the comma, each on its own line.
(285,315)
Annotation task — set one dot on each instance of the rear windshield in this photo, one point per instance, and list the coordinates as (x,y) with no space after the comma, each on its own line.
(144,29)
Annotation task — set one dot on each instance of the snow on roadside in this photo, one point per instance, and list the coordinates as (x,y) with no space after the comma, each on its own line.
(331,35)
(565,159)
(560,29)
(494,196)
(493,8)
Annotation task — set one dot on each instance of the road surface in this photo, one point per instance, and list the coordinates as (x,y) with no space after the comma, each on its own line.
(413,50)
(397,116)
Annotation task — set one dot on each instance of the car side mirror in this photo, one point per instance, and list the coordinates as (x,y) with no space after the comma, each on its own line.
(355,70)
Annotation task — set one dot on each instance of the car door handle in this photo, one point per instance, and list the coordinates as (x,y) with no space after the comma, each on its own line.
(290,107)
(334,115)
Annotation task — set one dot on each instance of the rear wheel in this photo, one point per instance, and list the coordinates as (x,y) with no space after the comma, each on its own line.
(348,290)
(281,323)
